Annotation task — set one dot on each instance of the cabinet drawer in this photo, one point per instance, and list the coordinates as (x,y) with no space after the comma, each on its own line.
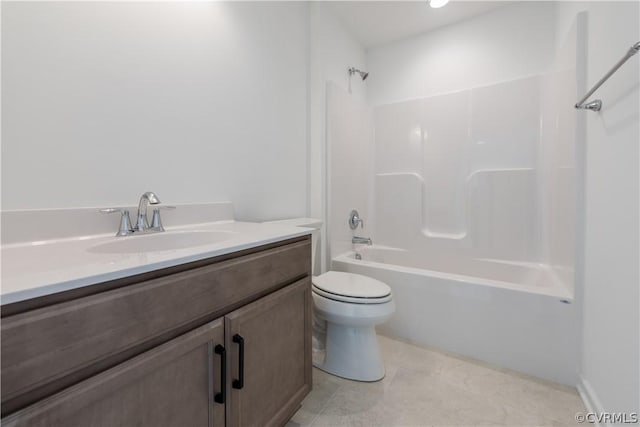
(50,348)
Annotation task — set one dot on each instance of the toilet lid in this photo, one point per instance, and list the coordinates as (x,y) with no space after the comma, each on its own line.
(351,285)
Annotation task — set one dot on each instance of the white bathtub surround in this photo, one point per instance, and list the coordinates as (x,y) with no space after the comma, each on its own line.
(472,156)
(463,168)
(54,264)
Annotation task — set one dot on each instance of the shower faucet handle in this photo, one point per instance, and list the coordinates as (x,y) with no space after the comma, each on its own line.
(354,220)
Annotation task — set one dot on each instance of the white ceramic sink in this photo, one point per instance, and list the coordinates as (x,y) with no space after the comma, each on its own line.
(166,241)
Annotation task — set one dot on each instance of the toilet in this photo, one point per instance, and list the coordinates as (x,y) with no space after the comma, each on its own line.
(347,307)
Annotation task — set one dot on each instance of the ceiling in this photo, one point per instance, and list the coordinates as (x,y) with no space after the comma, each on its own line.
(378,22)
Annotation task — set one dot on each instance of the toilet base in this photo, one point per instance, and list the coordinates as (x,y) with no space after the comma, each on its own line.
(352,352)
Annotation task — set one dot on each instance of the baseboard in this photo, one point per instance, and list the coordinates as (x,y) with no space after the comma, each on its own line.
(590,399)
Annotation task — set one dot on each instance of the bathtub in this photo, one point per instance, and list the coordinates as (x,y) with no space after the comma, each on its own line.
(512,315)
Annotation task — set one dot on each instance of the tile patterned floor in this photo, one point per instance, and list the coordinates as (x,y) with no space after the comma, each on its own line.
(428,388)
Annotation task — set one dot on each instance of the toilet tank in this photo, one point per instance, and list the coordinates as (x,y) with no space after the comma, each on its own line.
(316,225)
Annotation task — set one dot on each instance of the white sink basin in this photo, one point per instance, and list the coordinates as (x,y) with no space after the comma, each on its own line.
(164,241)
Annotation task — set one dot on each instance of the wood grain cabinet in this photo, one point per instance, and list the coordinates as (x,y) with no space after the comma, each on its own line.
(266,340)
(248,366)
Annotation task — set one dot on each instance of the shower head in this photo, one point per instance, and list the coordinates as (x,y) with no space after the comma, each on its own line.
(363,74)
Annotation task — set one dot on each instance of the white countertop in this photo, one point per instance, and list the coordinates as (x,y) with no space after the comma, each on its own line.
(36,269)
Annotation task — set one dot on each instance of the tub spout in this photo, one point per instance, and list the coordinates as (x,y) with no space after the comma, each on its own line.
(361,240)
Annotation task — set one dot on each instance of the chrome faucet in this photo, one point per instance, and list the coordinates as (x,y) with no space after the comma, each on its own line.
(361,240)
(354,221)
(148,198)
(142,223)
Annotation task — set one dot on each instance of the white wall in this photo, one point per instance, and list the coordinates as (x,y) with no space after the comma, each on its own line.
(197,101)
(611,325)
(508,43)
(333,51)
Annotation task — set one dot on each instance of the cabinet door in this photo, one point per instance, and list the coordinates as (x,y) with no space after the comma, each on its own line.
(275,332)
(174,384)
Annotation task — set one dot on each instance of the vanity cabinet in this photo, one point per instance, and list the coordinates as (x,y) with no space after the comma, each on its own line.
(221,342)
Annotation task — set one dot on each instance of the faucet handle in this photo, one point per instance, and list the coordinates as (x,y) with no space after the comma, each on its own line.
(125,221)
(156,222)
(110,210)
(354,220)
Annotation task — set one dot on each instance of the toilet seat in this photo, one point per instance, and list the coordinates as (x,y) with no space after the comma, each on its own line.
(351,288)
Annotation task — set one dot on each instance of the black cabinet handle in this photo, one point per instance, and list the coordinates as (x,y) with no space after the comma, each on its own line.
(220,397)
(239,383)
